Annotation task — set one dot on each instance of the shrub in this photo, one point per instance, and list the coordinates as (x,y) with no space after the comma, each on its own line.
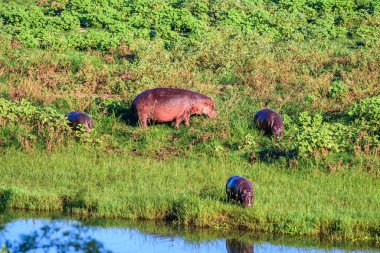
(186,22)
(366,117)
(366,113)
(31,125)
(317,137)
(337,89)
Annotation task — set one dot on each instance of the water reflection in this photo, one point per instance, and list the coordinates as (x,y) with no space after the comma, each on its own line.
(44,235)
(238,246)
(56,237)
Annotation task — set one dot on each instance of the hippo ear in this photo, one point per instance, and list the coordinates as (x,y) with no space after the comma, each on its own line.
(209,102)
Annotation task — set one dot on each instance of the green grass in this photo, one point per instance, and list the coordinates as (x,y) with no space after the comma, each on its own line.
(313,62)
(341,205)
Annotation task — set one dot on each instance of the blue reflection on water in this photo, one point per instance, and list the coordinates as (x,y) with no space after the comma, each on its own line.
(126,240)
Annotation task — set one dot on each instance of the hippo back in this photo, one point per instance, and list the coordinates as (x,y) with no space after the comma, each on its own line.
(268,121)
(265,115)
(165,94)
(73,115)
(237,183)
(77,118)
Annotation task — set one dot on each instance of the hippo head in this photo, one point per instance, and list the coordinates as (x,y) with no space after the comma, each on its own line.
(246,198)
(78,118)
(278,131)
(209,109)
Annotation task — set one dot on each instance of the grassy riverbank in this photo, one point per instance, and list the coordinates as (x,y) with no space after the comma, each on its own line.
(315,62)
(190,191)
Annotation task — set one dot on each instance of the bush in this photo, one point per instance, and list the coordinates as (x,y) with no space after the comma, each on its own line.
(337,89)
(184,22)
(366,117)
(317,137)
(30,125)
(366,113)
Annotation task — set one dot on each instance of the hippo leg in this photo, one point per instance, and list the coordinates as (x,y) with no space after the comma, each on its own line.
(178,122)
(185,116)
(143,120)
(72,125)
(228,195)
(187,120)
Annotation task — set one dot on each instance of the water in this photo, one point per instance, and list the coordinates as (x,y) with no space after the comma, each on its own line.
(63,235)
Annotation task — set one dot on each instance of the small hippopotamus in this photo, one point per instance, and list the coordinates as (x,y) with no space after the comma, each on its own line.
(238,246)
(270,121)
(77,118)
(168,104)
(241,190)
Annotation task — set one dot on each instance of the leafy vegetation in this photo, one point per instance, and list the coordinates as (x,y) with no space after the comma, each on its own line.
(55,24)
(315,62)
(24,125)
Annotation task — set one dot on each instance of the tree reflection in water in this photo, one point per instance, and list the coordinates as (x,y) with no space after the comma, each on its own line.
(56,238)
(237,246)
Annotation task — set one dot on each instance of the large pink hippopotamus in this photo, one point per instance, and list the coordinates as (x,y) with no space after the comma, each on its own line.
(171,104)
(270,121)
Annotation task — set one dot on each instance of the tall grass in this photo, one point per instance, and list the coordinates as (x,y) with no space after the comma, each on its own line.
(191,191)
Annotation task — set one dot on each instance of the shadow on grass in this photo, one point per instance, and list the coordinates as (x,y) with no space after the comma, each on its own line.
(78,203)
(270,155)
(5,196)
(338,117)
(121,110)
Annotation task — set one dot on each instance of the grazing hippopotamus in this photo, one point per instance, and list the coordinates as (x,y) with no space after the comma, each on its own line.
(168,104)
(237,246)
(241,190)
(77,118)
(270,121)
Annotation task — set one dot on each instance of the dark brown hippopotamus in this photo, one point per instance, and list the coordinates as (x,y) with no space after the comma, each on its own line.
(270,121)
(168,104)
(241,190)
(238,246)
(77,118)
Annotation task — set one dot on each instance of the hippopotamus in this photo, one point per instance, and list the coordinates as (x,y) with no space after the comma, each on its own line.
(168,104)
(77,118)
(241,190)
(270,121)
(237,246)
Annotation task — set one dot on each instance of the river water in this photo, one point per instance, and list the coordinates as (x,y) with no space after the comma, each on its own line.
(67,235)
